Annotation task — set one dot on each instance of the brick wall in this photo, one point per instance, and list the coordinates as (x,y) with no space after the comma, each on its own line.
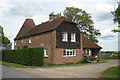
(55,55)
(37,41)
(59,59)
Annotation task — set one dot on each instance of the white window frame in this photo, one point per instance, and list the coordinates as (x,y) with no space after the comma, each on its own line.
(30,39)
(64,36)
(45,52)
(22,40)
(15,43)
(73,37)
(68,54)
(87,52)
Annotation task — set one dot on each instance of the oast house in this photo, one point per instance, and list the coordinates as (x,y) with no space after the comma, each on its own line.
(60,38)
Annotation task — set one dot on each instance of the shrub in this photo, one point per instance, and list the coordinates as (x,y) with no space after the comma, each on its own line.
(26,56)
(24,47)
(86,59)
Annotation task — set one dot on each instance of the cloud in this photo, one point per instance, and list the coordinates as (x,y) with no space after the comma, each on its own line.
(104,16)
(100,10)
(108,35)
(25,9)
(14,12)
(103,11)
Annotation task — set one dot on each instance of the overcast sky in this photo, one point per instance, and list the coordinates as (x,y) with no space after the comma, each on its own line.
(14,12)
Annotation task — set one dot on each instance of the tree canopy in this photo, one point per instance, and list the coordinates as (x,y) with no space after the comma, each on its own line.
(84,21)
(116,18)
(3,39)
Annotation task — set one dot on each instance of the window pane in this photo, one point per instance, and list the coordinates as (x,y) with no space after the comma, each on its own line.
(46,52)
(64,36)
(70,52)
(67,52)
(73,37)
(64,52)
(73,51)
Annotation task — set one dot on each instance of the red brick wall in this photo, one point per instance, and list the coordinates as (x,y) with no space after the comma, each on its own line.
(55,55)
(59,59)
(46,38)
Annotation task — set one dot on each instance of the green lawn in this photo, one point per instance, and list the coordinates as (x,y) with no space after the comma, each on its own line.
(47,65)
(105,59)
(112,73)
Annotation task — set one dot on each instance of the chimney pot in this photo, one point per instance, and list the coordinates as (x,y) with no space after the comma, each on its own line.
(51,16)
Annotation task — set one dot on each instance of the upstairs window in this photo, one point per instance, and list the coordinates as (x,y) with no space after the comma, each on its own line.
(73,39)
(64,36)
(46,52)
(30,39)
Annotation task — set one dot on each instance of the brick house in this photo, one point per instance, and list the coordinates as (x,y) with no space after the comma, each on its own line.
(60,37)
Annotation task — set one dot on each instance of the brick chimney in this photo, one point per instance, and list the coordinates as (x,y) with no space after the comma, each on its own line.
(51,16)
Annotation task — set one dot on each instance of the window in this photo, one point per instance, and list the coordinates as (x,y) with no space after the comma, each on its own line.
(69,52)
(87,52)
(64,36)
(22,40)
(46,52)
(15,43)
(73,39)
(30,39)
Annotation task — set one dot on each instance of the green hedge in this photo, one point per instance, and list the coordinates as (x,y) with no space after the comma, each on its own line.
(28,56)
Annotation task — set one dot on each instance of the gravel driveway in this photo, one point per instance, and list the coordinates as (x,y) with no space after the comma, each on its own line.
(87,71)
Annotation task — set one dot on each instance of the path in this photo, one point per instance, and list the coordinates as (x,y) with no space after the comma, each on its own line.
(87,71)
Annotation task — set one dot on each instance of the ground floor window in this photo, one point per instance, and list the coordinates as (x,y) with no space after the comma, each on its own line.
(86,52)
(46,52)
(69,52)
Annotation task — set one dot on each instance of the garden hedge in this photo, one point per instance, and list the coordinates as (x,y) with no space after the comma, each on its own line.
(27,56)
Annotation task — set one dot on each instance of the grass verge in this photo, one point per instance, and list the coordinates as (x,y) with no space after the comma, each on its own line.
(105,59)
(47,65)
(111,73)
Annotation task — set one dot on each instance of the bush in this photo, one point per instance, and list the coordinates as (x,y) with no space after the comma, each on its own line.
(86,59)
(26,56)
(24,47)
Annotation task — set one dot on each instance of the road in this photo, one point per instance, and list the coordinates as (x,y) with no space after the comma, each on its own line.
(10,72)
(86,71)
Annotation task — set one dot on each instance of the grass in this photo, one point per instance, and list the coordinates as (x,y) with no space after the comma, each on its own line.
(47,65)
(112,73)
(105,59)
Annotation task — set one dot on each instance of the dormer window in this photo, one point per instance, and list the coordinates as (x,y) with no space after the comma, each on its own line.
(64,36)
(30,39)
(73,39)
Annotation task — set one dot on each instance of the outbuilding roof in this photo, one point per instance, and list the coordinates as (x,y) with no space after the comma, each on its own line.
(87,43)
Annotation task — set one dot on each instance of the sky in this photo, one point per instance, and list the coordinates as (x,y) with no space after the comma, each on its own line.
(14,12)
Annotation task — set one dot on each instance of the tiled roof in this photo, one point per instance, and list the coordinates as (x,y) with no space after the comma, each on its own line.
(46,26)
(29,29)
(87,43)
(26,27)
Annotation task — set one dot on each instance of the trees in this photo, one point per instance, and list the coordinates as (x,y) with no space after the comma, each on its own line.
(116,18)
(84,21)
(3,39)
